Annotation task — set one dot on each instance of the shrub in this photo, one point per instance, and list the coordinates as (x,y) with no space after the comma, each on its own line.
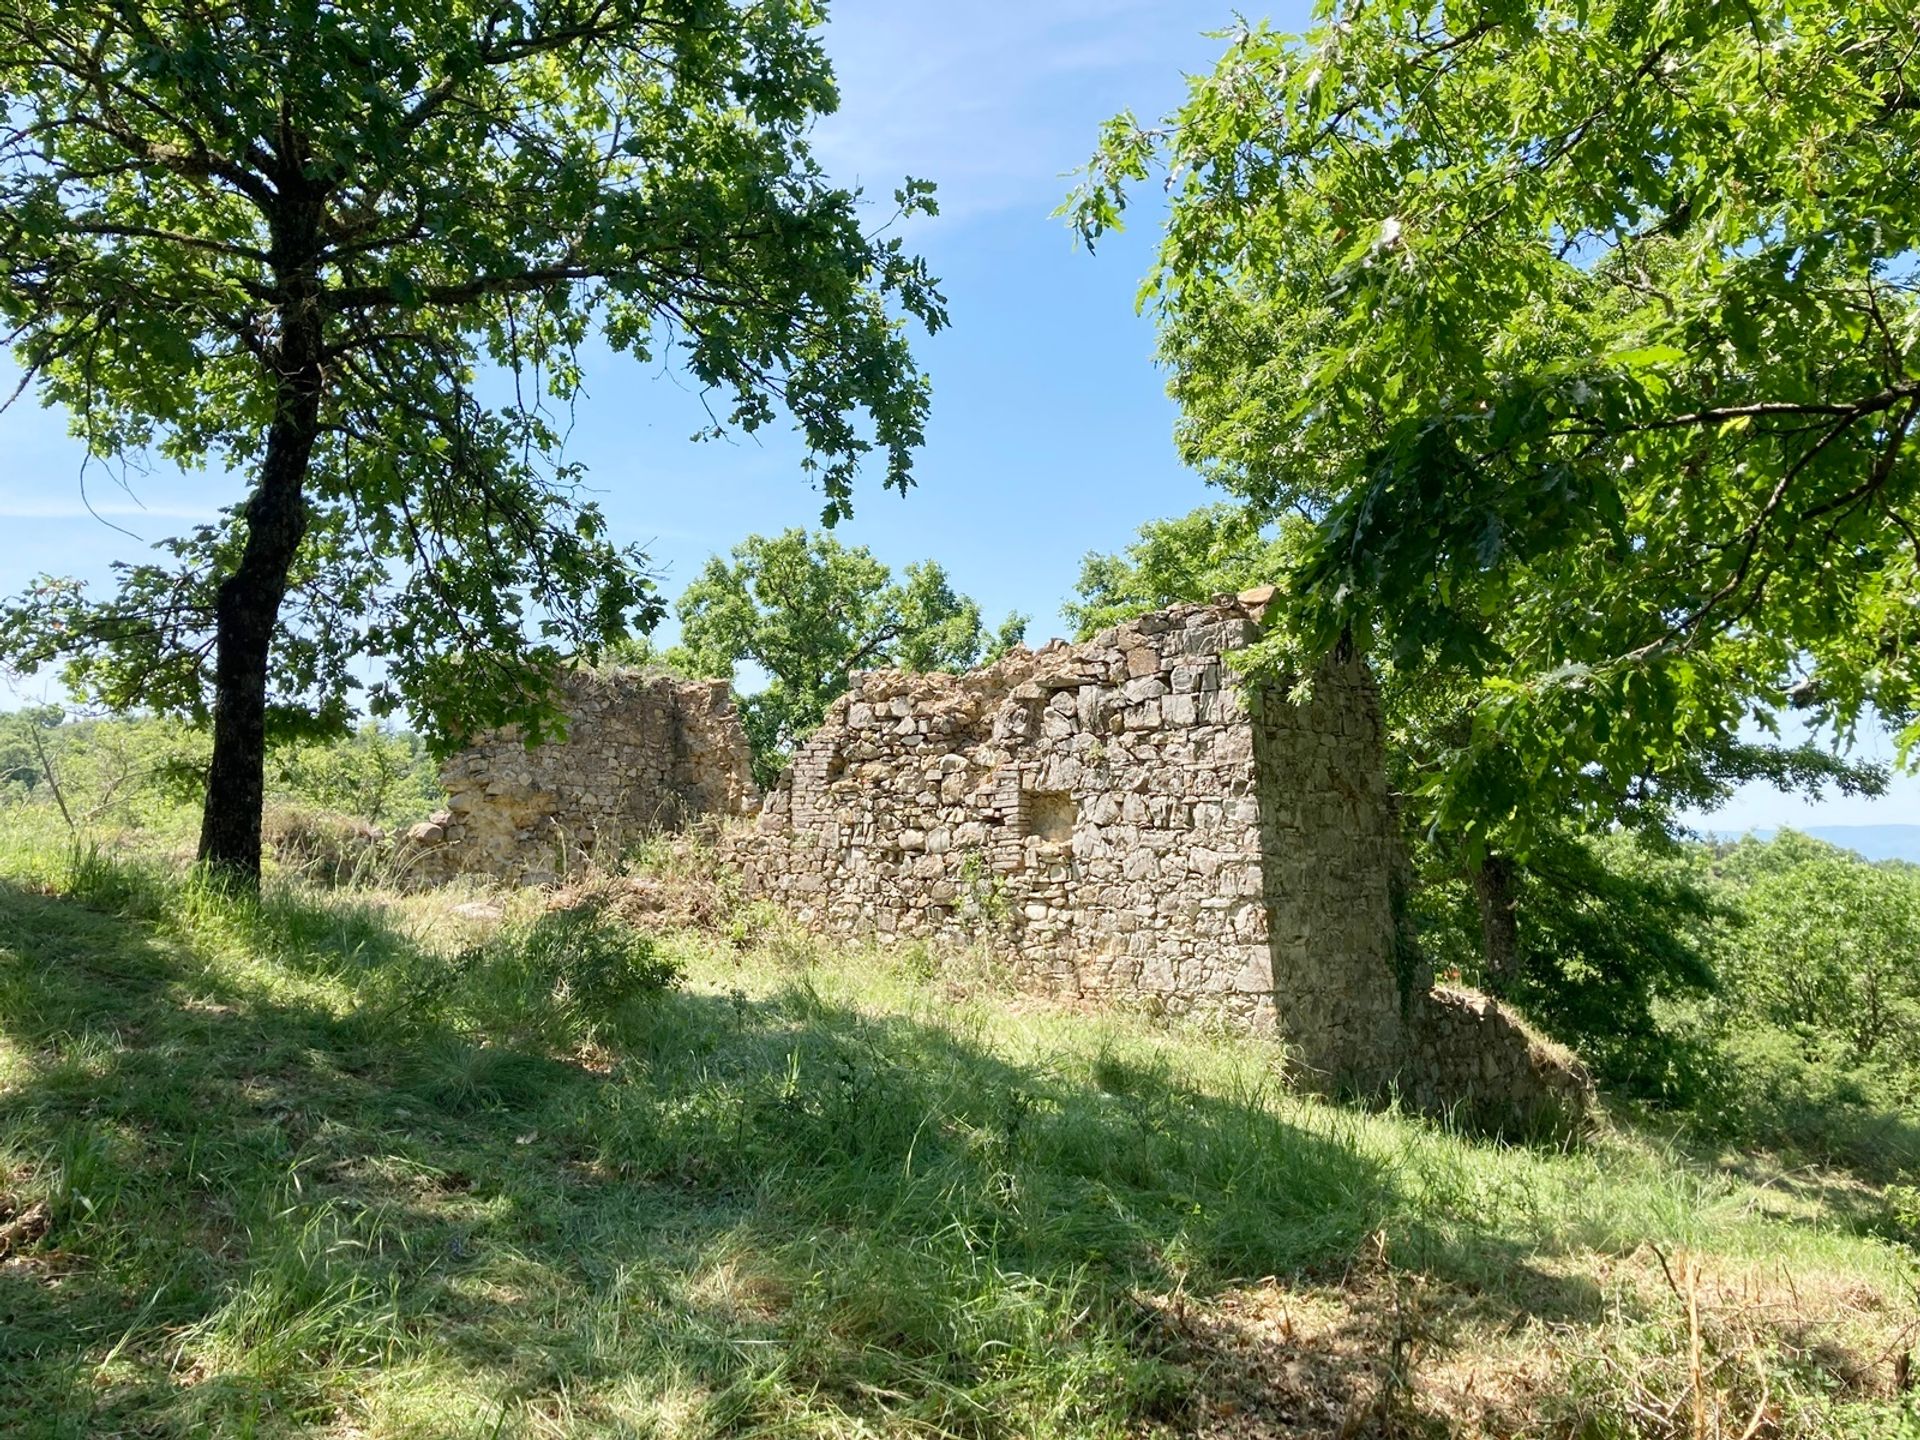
(381,777)
(1609,930)
(1756,1086)
(137,773)
(323,849)
(560,981)
(1827,949)
(147,773)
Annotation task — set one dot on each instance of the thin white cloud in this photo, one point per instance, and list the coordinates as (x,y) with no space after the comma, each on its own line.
(992,103)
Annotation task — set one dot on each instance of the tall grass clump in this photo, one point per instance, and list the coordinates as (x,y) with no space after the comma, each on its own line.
(557,981)
(316,1308)
(551,980)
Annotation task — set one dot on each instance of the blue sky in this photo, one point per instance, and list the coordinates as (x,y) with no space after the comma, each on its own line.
(1051,433)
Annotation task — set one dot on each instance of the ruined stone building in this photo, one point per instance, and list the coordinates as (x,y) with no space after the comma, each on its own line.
(1121,818)
(643,754)
(1137,826)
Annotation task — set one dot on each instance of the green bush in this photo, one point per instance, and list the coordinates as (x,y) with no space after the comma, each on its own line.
(1756,1086)
(1609,930)
(558,982)
(382,777)
(1810,1043)
(1825,946)
(1766,992)
(146,773)
(122,774)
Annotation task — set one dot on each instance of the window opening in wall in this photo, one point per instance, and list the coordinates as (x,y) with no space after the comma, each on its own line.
(1051,815)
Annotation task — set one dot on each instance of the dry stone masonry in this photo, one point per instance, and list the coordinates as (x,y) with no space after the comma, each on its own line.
(1130,820)
(1122,818)
(643,754)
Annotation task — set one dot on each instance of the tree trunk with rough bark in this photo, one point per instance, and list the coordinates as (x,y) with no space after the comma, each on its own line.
(247,611)
(1495,889)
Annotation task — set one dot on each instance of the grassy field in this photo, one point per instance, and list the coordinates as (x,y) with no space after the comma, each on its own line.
(356,1164)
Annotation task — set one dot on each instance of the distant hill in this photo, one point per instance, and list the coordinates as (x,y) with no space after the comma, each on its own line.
(1875,842)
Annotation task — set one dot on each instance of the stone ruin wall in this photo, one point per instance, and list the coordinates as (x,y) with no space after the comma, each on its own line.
(1118,818)
(1467,1055)
(643,754)
(1331,861)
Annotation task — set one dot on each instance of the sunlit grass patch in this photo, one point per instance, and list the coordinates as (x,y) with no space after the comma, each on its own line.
(350,1163)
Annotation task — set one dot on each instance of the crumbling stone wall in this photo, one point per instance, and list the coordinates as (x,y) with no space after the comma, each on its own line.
(1120,818)
(1127,818)
(643,753)
(1046,797)
(1330,853)
(1469,1056)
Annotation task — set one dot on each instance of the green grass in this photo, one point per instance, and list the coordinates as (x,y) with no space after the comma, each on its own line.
(352,1165)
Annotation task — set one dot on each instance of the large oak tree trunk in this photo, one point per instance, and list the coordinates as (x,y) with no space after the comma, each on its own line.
(248,608)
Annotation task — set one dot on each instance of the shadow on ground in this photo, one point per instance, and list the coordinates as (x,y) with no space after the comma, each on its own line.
(278,1198)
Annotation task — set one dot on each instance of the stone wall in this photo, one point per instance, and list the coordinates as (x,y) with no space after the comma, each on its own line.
(1121,818)
(1331,856)
(1124,819)
(1471,1058)
(1045,797)
(643,754)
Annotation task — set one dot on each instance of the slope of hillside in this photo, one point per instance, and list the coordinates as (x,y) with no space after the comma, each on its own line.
(361,1165)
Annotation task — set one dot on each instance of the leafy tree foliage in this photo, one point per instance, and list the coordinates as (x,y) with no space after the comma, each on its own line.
(1587,931)
(145,771)
(352,252)
(1605,930)
(1215,550)
(1585,333)
(1765,992)
(1827,949)
(806,612)
(101,774)
(1810,1045)
(23,744)
(378,776)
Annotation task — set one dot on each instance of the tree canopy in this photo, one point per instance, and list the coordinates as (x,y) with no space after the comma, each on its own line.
(23,744)
(353,252)
(1219,549)
(1827,948)
(1582,927)
(807,611)
(1584,334)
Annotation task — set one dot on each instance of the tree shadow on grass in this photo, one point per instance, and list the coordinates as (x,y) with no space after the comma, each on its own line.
(279,1198)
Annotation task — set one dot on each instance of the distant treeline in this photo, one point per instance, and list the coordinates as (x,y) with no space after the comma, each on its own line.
(148,772)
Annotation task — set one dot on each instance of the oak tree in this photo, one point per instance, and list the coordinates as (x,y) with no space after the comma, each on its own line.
(1584,333)
(805,612)
(355,254)
(1218,549)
